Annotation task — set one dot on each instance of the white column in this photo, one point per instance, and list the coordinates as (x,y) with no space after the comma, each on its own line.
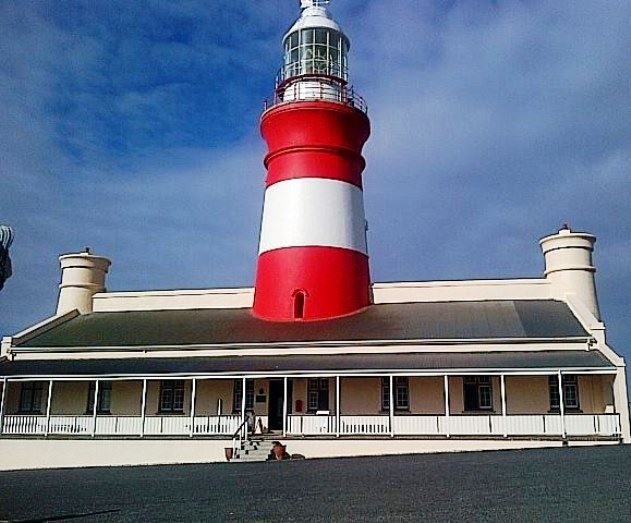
(143,407)
(561,403)
(193,398)
(337,406)
(621,404)
(285,406)
(245,431)
(3,400)
(48,404)
(391,414)
(446,389)
(503,391)
(95,407)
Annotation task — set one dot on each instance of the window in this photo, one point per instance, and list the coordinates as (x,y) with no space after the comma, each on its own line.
(401,393)
(478,393)
(31,397)
(238,394)
(319,51)
(299,305)
(318,394)
(172,396)
(105,397)
(570,393)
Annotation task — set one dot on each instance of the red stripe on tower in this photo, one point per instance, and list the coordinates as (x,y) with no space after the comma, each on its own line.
(313,259)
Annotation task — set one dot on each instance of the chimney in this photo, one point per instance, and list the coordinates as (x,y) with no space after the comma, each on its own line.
(82,276)
(569,265)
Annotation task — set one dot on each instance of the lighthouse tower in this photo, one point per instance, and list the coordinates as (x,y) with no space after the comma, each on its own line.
(313,258)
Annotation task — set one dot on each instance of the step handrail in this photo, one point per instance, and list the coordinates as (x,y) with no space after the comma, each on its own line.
(239,435)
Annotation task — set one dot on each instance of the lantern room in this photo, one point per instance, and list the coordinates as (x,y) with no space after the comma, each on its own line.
(315,57)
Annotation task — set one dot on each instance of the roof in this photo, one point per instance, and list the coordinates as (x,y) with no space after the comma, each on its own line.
(343,363)
(397,322)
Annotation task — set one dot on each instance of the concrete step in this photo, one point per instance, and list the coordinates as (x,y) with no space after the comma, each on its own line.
(252,450)
(263,453)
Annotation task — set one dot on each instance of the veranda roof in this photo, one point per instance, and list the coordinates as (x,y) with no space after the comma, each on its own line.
(426,362)
(400,322)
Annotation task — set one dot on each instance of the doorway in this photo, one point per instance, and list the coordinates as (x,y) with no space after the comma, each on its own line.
(275,405)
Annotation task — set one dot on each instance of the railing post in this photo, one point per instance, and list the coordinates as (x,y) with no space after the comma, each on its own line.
(337,406)
(285,409)
(143,407)
(446,393)
(3,400)
(562,404)
(193,397)
(48,404)
(95,406)
(503,391)
(391,413)
(243,405)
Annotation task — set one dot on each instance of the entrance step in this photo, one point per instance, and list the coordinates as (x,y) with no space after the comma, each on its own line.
(252,450)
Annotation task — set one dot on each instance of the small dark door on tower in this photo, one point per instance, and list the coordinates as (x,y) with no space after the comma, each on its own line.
(275,406)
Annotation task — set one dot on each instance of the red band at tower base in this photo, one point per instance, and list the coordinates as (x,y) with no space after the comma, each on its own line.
(333,282)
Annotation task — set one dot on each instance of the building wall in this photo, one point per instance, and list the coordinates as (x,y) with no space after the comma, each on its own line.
(456,400)
(70,397)
(427,395)
(595,394)
(126,398)
(359,396)
(300,394)
(527,395)
(208,395)
(45,453)
(261,388)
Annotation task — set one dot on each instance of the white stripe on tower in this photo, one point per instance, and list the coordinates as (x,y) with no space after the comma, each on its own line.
(313,212)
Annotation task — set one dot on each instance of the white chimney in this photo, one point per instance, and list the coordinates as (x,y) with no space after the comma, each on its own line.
(569,265)
(82,276)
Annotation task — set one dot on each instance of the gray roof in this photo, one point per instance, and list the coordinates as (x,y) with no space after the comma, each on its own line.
(527,319)
(235,365)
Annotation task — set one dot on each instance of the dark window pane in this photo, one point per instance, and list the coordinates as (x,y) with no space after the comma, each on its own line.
(320,36)
(31,397)
(385,394)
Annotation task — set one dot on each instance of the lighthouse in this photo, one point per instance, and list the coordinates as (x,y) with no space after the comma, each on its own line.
(313,255)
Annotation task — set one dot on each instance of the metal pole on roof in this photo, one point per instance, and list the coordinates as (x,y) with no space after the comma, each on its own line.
(284,406)
(143,407)
(3,399)
(446,389)
(48,404)
(193,398)
(561,403)
(503,391)
(95,406)
(391,415)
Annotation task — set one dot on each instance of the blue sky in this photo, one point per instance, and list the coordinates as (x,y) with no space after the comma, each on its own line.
(132,127)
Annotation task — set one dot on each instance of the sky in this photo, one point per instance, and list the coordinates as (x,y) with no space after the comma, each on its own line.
(132,128)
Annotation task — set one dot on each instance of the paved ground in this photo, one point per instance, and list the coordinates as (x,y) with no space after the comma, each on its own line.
(579,484)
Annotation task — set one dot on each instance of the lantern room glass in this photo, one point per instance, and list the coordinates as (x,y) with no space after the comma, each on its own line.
(316,50)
